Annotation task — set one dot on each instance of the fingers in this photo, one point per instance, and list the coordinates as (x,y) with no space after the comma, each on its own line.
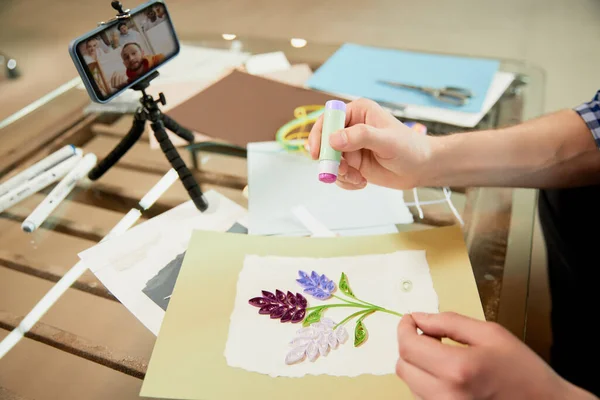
(361,111)
(115,80)
(350,186)
(314,138)
(427,353)
(343,168)
(354,159)
(457,327)
(366,111)
(351,179)
(381,141)
(420,382)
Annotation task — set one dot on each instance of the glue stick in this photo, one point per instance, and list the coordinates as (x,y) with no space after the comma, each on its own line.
(329,159)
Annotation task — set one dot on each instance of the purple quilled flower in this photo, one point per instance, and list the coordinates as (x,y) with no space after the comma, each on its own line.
(318,286)
(284,307)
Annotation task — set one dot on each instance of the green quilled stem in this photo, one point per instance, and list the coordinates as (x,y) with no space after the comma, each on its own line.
(350,302)
(360,332)
(367,310)
(356,314)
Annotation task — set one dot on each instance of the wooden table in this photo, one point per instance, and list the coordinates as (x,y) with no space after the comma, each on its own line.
(88,346)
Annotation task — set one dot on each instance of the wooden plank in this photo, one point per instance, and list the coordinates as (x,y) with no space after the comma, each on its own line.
(27,135)
(46,254)
(216,169)
(487,221)
(6,394)
(119,182)
(512,313)
(435,214)
(119,128)
(89,326)
(218,163)
(539,330)
(78,346)
(70,217)
(76,135)
(139,156)
(37,371)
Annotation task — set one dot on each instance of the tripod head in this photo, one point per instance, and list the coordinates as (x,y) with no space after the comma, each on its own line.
(119,8)
(121,14)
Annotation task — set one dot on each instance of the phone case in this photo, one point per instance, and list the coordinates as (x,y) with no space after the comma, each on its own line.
(82,70)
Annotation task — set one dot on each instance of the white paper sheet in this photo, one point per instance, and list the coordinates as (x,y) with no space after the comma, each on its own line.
(194,63)
(267,62)
(296,75)
(279,181)
(140,267)
(258,343)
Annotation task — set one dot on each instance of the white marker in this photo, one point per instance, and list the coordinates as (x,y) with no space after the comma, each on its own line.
(38,183)
(71,276)
(37,168)
(58,194)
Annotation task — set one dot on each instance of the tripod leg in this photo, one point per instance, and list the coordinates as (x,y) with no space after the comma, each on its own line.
(177,129)
(177,163)
(115,155)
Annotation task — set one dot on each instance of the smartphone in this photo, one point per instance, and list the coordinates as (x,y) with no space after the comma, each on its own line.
(121,53)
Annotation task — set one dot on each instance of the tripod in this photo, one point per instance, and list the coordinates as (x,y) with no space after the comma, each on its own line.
(150,111)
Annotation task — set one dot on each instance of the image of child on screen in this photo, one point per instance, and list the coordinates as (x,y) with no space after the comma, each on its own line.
(136,62)
(159,9)
(94,49)
(151,19)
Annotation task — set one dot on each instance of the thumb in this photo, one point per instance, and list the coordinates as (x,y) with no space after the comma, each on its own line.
(454,326)
(362,136)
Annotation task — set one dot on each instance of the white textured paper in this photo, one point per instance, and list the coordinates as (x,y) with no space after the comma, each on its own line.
(258,343)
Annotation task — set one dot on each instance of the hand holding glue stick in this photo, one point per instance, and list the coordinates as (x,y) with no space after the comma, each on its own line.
(375,147)
(334,119)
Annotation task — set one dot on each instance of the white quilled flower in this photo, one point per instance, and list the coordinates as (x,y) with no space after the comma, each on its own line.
(316,340)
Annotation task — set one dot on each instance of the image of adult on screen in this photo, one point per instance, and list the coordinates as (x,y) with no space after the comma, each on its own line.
(128,35)
(557,153)
(136,64)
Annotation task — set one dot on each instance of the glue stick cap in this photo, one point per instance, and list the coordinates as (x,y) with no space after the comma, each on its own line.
(335,105)
(328,171)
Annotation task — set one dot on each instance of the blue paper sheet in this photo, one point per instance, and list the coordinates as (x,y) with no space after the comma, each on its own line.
(354,70)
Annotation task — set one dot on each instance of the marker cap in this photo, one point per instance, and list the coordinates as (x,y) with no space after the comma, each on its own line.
(28,226)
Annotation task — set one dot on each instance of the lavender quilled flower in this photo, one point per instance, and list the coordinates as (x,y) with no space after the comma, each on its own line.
(318,286)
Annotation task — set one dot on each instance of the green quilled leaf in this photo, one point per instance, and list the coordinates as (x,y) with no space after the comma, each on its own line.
(345,286)
(360,334)
(312,318)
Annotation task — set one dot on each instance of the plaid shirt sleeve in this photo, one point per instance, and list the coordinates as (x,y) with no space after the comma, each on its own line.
(590,112)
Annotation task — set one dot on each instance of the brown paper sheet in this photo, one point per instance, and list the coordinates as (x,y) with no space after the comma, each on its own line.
(243,108)
(188,360)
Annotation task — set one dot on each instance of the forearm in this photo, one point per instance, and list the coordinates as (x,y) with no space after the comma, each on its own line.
(556,150)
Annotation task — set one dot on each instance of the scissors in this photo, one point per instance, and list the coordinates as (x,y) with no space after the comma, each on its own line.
(449,94)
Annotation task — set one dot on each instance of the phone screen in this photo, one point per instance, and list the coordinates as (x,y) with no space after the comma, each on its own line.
(124,52)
